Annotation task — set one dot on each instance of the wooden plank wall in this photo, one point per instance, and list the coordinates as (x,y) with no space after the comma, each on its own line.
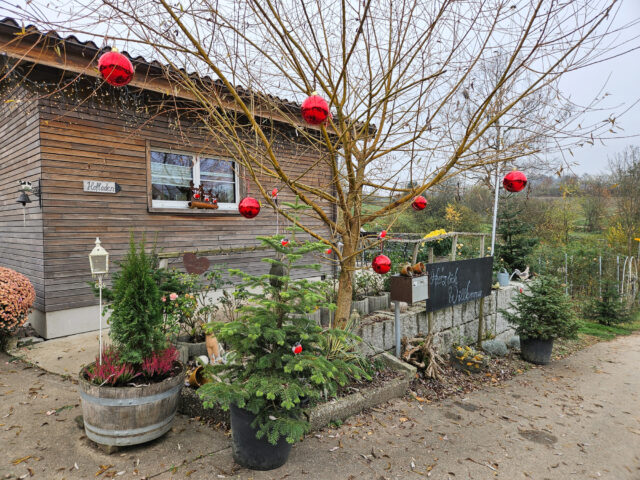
(93,142)
(21,243)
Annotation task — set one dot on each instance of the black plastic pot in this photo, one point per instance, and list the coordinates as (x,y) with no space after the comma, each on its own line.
(536,350)
(253,453)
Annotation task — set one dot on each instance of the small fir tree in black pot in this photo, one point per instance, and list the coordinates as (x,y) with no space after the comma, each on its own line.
(541,315)
(277,359)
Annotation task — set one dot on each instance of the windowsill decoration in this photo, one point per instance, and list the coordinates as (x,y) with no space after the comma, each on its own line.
(201,198)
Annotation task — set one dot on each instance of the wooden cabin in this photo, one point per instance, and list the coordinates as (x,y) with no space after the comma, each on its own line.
(105,166)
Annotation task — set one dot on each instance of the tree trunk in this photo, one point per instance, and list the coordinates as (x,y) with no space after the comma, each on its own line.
(345,281)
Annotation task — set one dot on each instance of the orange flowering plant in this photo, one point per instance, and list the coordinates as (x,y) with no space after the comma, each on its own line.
(16,297)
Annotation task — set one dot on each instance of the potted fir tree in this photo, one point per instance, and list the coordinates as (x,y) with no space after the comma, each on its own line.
(277,361)
(541,315)
(130,395)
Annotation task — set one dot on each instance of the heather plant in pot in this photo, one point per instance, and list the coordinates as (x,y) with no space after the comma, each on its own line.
(130,395)
(277,361)
(541,314)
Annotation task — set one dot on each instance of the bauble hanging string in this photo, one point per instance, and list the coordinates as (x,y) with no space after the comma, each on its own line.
(274,196)
(115,68)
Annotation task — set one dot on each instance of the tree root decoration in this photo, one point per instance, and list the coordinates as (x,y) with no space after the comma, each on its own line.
(422,353)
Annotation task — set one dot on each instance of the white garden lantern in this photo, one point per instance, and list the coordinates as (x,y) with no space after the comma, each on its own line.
(99,261)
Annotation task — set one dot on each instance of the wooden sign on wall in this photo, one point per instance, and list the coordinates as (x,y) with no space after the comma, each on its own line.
(98,186)
(452,283)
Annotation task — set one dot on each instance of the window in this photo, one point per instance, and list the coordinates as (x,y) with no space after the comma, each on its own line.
(172,171)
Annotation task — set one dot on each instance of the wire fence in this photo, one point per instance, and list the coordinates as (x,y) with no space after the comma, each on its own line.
(588,275)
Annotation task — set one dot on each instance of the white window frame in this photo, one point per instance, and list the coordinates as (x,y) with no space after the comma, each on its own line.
(195,172)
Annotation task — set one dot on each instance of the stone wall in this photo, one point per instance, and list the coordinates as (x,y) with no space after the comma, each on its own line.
(451,325)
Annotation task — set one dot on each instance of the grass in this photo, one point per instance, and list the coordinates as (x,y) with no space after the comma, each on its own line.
(609,332)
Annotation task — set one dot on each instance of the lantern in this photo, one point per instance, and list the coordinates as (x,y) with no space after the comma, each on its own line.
(315,109)
(115,68)
(381,264)
(419,203)
(99,263)
(514,181)
(99,259)
(249,207)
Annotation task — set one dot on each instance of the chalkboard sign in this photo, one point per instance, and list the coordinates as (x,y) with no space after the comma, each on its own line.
(451,283)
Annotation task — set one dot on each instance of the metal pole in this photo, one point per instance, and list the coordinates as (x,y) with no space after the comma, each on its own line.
(495,213)
(618,274)
(398,329)
(100,315)
(566,274)
(600,275)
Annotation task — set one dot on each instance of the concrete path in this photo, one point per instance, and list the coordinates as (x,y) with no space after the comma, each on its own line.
(65,355)
(578,418)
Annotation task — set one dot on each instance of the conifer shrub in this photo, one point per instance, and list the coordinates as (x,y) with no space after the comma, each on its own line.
(140,350)
(136,311)
(543,311)
(278,357)
(608,309)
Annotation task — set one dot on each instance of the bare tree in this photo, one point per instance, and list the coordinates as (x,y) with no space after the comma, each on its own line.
(407,81)
(625,171)
(595,199)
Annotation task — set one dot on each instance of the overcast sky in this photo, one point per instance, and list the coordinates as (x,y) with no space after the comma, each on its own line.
(624,87)
(620,77)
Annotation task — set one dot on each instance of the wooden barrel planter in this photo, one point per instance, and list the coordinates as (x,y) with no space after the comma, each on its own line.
(121,416)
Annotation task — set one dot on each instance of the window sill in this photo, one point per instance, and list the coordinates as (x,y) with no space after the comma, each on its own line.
(195,211)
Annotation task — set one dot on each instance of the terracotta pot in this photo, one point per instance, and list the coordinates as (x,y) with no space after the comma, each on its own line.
(196,379)
(419,268)
(407,271)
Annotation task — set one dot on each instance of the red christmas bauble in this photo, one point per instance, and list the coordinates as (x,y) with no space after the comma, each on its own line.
(315,109)
(419,203)
(115,68)
(196,196)
(381,264)
(515,181)
(274,192)
(328,251)
(382,234)
(249,207)
(296,349)
(284,242)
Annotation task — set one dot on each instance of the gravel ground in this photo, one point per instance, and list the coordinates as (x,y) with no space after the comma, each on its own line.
(578,418)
